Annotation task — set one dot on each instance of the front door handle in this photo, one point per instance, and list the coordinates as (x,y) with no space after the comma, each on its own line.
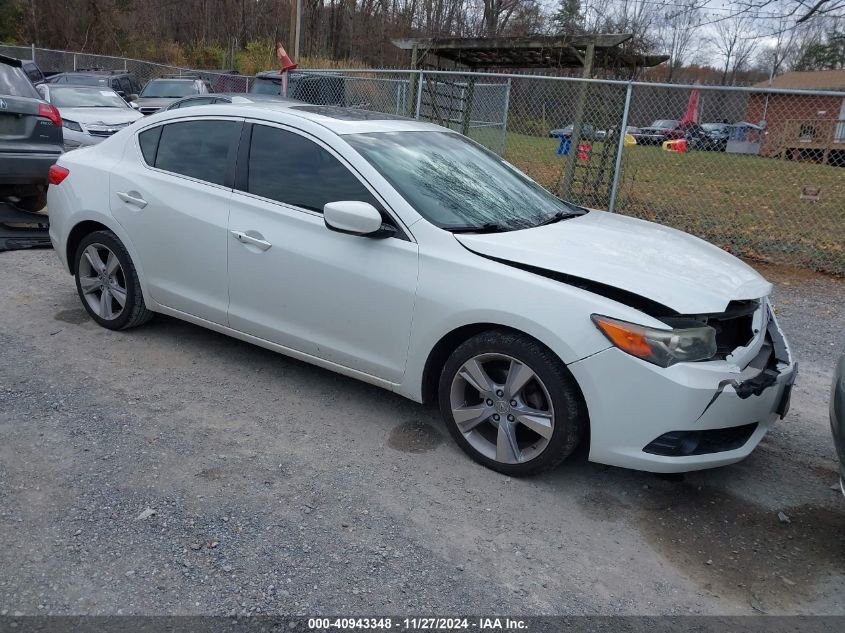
(244,238)
(137,200)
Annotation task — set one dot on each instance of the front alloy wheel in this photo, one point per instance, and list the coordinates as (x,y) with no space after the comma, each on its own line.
(502,408)
(510,403)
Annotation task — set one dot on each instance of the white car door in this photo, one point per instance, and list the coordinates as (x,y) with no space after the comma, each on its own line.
(172,193)
(342,298)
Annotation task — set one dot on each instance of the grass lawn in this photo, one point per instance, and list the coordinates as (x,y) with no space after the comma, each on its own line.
(749,205)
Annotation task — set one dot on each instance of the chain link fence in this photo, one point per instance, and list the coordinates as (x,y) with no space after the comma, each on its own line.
(759,172)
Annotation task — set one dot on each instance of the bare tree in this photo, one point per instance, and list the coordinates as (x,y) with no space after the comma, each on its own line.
(735,42)
(677,33)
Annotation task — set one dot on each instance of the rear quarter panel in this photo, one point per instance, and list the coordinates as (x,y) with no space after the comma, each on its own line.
(84,194)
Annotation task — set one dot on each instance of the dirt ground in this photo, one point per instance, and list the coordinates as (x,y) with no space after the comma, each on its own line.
(172,470)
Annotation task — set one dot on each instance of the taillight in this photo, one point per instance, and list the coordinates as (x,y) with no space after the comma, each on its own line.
(50,112)
(57,174)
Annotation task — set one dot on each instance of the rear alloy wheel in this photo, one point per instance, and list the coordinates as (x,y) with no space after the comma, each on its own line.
(108,283)
(511,404)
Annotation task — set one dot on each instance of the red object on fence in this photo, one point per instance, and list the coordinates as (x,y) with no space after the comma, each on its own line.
(583,151)
(691,115)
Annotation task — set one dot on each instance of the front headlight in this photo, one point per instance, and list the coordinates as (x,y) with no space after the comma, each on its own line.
(661,347)
(71,125)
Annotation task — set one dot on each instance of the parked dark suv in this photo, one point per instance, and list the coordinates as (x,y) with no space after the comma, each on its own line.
(30,138)
(315,88)
(123,83)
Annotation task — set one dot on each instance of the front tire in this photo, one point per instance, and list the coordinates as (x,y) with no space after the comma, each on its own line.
(511,404)
(107,282)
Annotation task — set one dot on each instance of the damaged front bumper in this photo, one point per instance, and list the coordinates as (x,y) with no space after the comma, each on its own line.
(689,416)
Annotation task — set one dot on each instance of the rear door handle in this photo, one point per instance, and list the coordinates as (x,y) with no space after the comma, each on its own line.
(245,238)
(138,201)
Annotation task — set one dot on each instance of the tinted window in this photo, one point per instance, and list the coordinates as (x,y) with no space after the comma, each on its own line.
(33,72)
(198,149)
(170,88)
(195,102)
(289,168)
(148,140)
(266,86)
(125,86)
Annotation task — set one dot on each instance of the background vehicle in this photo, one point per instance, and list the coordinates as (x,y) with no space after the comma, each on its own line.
(159,93)
(89,114)
(403,227)
(30,138)
(123,83)
(316,88)
(229,97)
(837,415)
(668,130)
(713,137)
(588,132)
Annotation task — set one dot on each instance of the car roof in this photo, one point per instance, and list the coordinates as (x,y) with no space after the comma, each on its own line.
(105,73)
(185,79)
(339,120)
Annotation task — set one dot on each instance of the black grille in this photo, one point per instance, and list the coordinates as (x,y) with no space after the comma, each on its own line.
(103,133)
(683,443)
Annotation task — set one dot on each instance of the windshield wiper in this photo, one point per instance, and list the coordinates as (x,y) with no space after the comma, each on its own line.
(487,227)
(557,216)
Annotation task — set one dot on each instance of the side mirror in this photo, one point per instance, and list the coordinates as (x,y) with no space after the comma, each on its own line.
(42,90)
(133,104)
(356,218)
(132,97)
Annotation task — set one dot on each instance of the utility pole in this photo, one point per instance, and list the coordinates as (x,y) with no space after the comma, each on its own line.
(298,29)
(295,25)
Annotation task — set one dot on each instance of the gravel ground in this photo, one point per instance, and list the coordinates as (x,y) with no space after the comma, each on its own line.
(171,470)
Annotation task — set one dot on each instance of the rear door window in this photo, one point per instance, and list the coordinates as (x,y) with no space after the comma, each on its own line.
(148,140)
(290,168)
(198,149)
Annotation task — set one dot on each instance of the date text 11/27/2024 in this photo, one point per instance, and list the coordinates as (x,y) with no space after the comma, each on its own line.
(418,624)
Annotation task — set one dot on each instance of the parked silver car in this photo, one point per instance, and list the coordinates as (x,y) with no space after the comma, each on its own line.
(160,93)
(89,114)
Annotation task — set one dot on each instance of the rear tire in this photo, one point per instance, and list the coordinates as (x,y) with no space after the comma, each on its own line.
(511,404)
(108,283)
(35,201)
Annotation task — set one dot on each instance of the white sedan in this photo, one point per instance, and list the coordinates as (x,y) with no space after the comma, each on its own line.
(405,255)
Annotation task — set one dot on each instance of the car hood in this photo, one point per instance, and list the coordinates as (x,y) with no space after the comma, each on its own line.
(653,261)
(653,130)
(154,102)
(100,116)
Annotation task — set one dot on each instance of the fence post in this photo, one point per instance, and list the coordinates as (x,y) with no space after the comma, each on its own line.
(469,96)
(614,186)
(419,96)
(74,62)
(577,124)
(505,117)
(32,48)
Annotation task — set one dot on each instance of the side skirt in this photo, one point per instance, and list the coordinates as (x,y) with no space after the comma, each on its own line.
(307,358)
